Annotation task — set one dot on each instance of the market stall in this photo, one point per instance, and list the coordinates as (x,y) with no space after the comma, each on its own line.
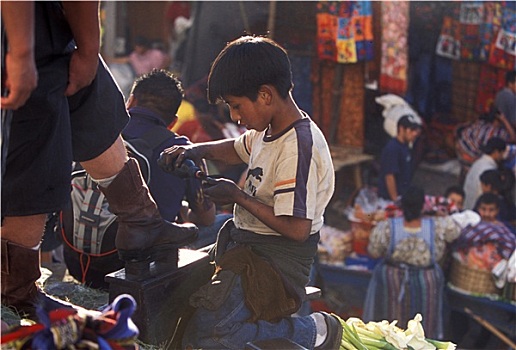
(344,272)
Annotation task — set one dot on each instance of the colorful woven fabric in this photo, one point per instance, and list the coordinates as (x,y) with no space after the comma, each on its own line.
(71,329)
(473,135)
(394,62)
(487,232)
(503,49)
(480,31)
(471,17)
(448,44)
(344,31)
(489,28)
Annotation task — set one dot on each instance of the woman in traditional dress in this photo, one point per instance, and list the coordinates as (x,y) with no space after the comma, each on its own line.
(409,279)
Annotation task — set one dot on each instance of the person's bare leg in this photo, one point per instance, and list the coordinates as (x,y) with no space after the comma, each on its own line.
(108,163)
(142,233)
(26,231)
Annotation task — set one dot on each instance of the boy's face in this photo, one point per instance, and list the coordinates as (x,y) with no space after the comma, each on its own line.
(485,187)
(409,135)
(457,199)
(248,113)
(488,212)
(498,156)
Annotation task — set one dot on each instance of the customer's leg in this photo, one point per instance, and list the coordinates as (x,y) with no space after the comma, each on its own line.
(98,116)
(36,182)
(108,163)
(20,260)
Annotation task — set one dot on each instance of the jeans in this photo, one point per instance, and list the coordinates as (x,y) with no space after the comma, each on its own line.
(226,327)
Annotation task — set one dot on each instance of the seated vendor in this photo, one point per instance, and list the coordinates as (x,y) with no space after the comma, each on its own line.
(492,181)
(483,245)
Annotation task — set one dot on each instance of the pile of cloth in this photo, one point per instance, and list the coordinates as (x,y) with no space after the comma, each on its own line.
(70,328)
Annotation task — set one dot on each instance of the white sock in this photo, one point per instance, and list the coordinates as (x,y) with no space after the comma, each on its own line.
(105,182)
(320,325)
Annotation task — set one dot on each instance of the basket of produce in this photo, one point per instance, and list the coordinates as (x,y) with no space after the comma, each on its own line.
(472,279)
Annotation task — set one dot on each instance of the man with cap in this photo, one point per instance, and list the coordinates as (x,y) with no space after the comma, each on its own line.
(396,165)
(493,153)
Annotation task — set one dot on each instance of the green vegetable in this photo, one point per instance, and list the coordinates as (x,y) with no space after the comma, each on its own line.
(448,345)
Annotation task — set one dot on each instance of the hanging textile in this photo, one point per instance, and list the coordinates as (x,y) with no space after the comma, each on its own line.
(490,26)
(344,31)
(394,61)
(471,17)
(491,80)
(448,44)
(480,31)
(503,48)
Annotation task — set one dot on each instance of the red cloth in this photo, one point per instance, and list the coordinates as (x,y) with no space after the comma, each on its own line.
(394,63)
(177,9)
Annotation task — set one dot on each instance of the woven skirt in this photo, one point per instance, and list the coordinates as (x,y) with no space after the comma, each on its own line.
(400,292)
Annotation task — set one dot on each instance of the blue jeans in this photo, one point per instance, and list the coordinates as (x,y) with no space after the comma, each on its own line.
(226,328)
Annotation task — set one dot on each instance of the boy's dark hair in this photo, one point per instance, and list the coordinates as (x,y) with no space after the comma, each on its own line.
(491,115)
(159,91)
(455,189)
(507,181)
(488,198)
(493,144)
(412,203)
(409,121)
(493,178)
(510,77)
(247,63)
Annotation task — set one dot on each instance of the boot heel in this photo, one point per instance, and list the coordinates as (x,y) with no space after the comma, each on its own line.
(166,261)
(169,256)
(137,270)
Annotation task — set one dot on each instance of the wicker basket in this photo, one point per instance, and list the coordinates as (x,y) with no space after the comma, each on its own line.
(472,280)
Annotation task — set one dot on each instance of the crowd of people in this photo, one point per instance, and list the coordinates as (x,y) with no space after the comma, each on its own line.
(477,226)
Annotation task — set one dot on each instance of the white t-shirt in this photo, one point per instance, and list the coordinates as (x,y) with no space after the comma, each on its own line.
(291,172)
(472,187)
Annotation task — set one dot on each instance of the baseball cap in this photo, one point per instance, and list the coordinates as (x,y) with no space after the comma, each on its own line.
(410,121)
(493,144)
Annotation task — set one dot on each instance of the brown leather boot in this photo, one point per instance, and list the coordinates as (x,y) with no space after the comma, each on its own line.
(20,271)
(143,235)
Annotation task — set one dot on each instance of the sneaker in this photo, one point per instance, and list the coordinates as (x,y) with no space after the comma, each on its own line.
(333,333)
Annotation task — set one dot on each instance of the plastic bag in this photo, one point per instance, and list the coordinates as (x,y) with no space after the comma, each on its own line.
(394,108)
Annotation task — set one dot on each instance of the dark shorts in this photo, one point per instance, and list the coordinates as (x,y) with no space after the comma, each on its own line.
(51,130)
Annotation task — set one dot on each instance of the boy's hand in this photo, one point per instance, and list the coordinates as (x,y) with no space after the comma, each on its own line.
(221,191)
(172,158)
